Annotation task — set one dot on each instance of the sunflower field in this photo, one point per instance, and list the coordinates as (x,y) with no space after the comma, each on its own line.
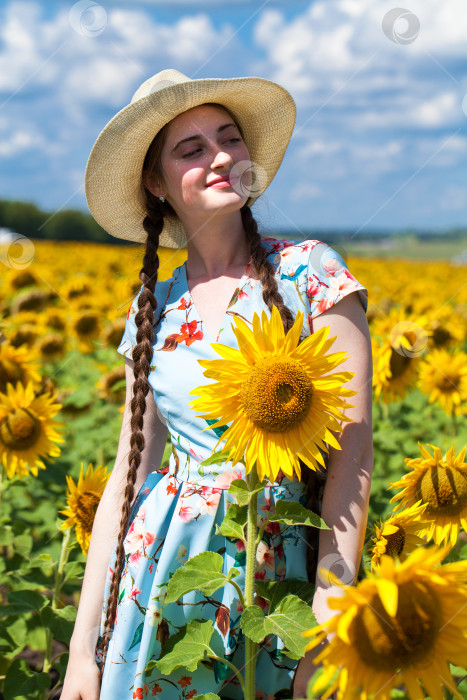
(62,389)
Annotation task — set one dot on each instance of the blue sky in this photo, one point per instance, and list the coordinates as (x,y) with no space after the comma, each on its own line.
(380,141)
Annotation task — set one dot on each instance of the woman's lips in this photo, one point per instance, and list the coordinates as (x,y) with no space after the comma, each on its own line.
(224,183)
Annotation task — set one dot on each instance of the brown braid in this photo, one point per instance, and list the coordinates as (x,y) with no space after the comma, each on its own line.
(142,356)
(314,481)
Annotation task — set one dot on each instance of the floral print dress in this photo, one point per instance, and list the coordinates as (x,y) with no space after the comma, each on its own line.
(178,507)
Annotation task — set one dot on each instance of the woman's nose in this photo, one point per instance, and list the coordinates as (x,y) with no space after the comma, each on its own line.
(221,158)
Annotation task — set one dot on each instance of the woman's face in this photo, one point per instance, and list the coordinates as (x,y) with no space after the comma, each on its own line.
(202,145)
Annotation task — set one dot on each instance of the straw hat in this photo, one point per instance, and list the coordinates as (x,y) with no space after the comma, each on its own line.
(264,111)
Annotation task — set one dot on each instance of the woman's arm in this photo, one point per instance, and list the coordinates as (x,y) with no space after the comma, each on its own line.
(347,490)
(104,535)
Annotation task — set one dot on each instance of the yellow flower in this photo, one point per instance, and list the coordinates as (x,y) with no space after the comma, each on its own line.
(443,375)
(111,384)
(441,484)
(397,536)
(86,324)
(402,624)
(17,365)
(51,346)
(397,341)
(274,390)
(27,431)
(82,501)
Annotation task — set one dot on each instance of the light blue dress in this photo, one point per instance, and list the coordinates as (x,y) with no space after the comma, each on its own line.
(177,509)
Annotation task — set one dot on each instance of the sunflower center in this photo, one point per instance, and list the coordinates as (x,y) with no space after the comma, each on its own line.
(87,324)
(86,507)
(441,336)
(398,364)
(276,394)
(387,643)
(444,489)
(395,542)
(447,385)
(20,429)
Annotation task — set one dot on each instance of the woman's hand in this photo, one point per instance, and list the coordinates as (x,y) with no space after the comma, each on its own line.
(82,679)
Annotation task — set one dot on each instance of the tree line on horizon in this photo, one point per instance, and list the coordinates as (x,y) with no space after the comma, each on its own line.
(29,220)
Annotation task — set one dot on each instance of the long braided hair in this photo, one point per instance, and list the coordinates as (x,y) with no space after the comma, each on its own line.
(143,354)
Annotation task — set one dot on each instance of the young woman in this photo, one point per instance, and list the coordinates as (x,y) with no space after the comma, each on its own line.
(182,165)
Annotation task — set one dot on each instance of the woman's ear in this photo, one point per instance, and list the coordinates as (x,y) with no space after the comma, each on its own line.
(152,184)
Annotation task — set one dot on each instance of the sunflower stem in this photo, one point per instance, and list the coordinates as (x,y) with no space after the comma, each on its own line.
(250,646)
(64,553)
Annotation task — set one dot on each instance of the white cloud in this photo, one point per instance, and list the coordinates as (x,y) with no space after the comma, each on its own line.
(336,51)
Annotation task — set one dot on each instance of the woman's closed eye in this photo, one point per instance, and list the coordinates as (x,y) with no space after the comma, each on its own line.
(191,153)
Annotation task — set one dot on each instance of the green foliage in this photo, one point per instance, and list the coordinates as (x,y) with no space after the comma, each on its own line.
(234,522)
(293,513)
(202,572)
(187,648)
(239,489)
(290,618)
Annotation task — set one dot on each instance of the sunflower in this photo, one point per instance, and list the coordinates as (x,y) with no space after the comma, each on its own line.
(397,341)
(77,286)
(402,624)
(112,333)
(82,501)
(448,328)
(87,327)
(273,389)
(441,484)
(111,385)
(397,536)
(17,365)
(27,431)
(33,299)
(20,279)
(443,375)
(51,346)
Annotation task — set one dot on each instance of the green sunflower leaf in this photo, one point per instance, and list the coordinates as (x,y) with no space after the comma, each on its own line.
(207,696)
(239,489)
(216,458)
(275,591)
(187,648)
(293,513)
(234,522)
(202,572)
(60,622)
(290,618)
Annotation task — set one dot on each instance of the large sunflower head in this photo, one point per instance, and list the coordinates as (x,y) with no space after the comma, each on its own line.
(82,501)
(443,376)
(279,395)
(402,624)
(441,484)
(27,431)
(397,535)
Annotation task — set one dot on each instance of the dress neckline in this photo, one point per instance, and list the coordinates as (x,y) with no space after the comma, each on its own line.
(233,300)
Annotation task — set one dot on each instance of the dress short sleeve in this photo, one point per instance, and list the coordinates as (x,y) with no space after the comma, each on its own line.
(128,340)
(330,280)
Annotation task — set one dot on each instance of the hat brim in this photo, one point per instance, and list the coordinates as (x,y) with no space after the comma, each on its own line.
(264,111)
